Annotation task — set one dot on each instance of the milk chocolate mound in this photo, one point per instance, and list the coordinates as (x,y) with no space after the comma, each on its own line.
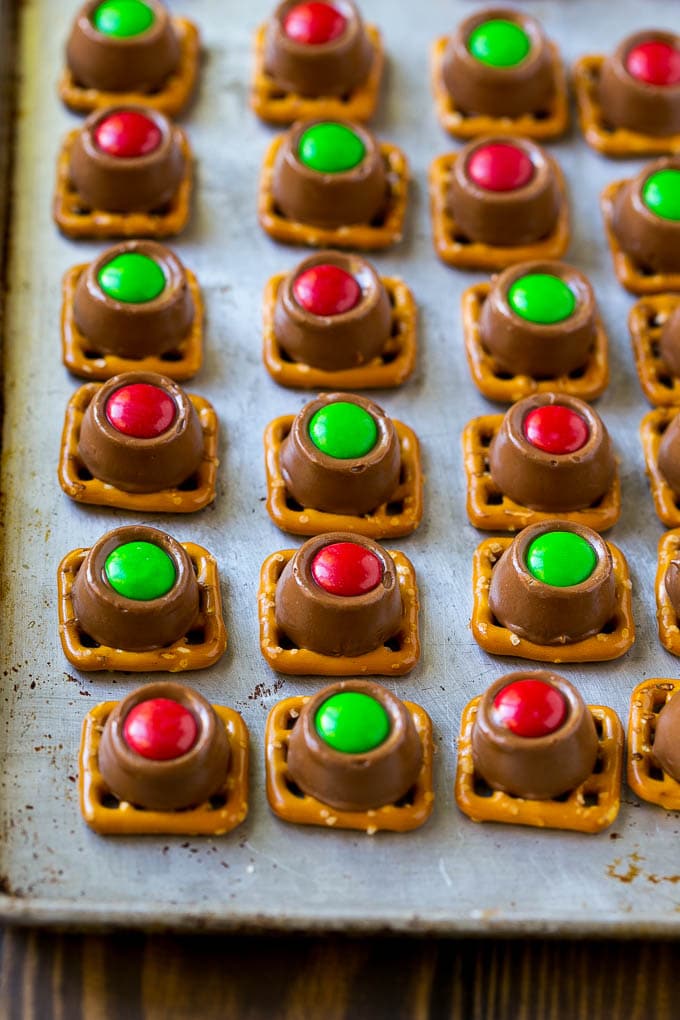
(171,784)
(141,464)
(669,455)
(516,216)
(651,240)
(338,341)
(355,781)
(539,350)
(109,63)
(669,345)
(352,485)
(480,88)
(134,625)
(637,105)
(666,746)
(544,479)
(332,624)
(333,68)
(333,199)
(545,613)
(672,584)
(539,767)
(140,183)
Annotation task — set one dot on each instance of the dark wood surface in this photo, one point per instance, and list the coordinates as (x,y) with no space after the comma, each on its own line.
(137,977)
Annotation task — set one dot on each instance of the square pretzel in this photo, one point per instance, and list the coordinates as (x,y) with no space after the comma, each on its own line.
(203,646)
(288,801)
(591,807)
(272,103)
(390,368)
(170,98)
(496,384)
(75,219)
(396,657)
(645,777)
(457,250)
(636,278)
(645,324)
(619,143)
(401,516)
(540,125)
(613,641)
(193,494)
(491,510)
(384,233)
(666,617)
(652,428)
(109,816)
(81,359)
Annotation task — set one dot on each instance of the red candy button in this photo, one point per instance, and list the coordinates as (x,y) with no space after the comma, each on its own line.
(314,24)
(530,708)
(141,410)
(160,729)
(326,290)
(500,167)
(654,62)
(346,568)
(127,134)
(555,428)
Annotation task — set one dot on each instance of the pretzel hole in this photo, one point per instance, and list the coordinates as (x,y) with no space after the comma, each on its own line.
(665,380)
(284,642)
(395,508)
(218,801)
(645,270)
(396,328)
(541,114)
(654,320)
(591,799)
(610,626)
(190,484)
(173,355)
(598,728)
(494,498)
(660,427)
(293,788)
(379,219)
(485,439)
(86,641)
(109,801)
(598,766)
(499,373)
(462,239)
(578,373)
(289,724)
(396,643)
(83,474)
(92,355)
(196,636)
(293,504)
(481,787)
(408,800)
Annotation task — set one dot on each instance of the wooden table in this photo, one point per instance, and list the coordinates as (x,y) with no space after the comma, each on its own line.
(137,977)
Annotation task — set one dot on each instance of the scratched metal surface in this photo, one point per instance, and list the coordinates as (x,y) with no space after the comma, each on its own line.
(451,876)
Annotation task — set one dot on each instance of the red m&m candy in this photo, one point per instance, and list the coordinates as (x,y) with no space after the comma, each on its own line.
(530,708)
(160,729)
(141,411)
(347,569)
(326,290)
(555,428)
(127,134)
(314,23)
(654,63)
(500,166)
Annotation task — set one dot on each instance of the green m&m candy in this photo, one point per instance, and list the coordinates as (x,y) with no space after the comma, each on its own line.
(140,570)
(499,43)
(542,298)
(343,430)
(330,148)
(661,194)
(561,559)
(352,722)
(132,278)
(123,18)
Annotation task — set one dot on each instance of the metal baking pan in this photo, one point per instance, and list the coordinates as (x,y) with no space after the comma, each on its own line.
(452,876)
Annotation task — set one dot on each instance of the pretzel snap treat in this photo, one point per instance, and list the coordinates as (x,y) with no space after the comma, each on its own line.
(140,601)
(653,762)
(134,308)
(129,51)
(550,453)
(654,326)
(642,220)
(139,442)
(316,59)
(499,72)
(531,752)
(629,102)
(330,183)
(343,464)
(340,605)
(667,586)
(163,760)
(125,173)
(352,756)
(557,592)
(499,201)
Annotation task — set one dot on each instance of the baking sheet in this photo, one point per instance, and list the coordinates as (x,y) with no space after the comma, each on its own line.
(452,875)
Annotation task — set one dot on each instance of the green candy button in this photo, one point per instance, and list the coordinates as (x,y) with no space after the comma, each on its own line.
(661,194)
(499,43)
(123,18)
(352,722)
(541,298)
(561,559)
(330,148)
(343,430)
(132,278)
(140,571)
